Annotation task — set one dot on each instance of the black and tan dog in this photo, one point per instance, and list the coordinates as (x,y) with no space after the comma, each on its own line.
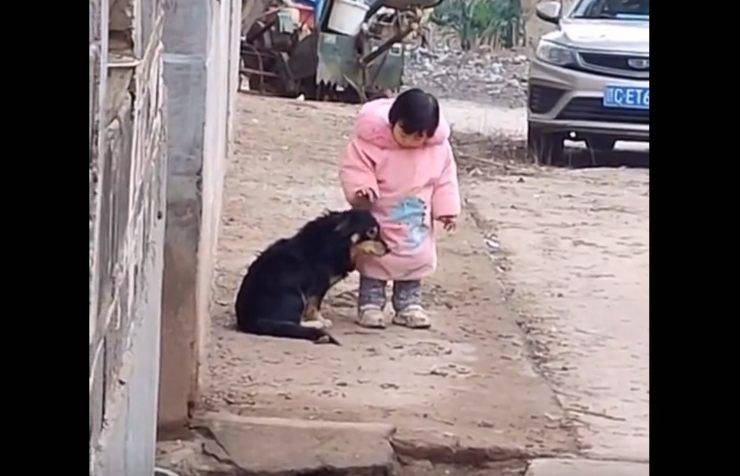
(282,292)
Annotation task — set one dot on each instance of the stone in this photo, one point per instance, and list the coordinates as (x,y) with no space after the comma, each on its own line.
(583,467)
(280,446)
(445,447)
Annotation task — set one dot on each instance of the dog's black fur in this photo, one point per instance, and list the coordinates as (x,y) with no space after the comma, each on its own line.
(287,282)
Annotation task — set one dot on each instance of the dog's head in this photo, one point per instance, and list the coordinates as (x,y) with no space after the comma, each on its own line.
(363,232)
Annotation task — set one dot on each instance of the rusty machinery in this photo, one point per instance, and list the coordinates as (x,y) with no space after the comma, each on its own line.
(289,54)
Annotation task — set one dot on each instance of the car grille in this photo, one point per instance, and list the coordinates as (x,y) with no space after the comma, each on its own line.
(543,98)
(592,109)
(619,64)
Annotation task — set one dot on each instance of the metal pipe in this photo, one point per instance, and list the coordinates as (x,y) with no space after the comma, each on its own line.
(133,63)
(257,33)
(374,7)
(366,60)
(257,72)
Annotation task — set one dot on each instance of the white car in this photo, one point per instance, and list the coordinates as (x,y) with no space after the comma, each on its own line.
(590,79)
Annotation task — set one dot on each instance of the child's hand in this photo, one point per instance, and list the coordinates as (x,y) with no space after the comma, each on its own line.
(449,222)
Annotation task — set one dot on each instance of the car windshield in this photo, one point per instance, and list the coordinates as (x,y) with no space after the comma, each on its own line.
(613,9)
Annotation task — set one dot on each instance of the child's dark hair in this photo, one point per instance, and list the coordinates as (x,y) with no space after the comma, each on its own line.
(417,111)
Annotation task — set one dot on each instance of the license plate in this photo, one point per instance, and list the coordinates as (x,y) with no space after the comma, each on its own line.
(626,97)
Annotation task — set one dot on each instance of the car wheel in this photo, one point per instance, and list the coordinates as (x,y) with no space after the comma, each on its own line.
(601,144)
(544,147)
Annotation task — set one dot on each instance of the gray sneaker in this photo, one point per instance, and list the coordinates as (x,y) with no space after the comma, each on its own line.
(413,316)
(371,316)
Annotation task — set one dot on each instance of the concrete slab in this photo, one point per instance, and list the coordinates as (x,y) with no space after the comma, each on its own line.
(277,446)
(583,467)
(476,449)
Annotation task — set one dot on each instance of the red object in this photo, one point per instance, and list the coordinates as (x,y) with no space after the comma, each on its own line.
(306,16)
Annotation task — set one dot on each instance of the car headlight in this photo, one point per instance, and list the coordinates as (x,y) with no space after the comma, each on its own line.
(555,54)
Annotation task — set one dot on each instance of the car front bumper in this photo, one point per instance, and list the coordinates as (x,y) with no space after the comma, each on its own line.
(567,100)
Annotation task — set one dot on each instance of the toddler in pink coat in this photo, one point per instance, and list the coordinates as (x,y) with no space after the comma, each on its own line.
(399,164)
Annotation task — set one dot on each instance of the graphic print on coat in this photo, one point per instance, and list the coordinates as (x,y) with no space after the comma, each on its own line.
(411,211)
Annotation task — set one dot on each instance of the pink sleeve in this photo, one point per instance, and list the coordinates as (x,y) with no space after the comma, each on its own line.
(446,195)
(357,172)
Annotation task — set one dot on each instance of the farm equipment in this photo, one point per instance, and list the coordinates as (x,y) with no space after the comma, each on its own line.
(344,50)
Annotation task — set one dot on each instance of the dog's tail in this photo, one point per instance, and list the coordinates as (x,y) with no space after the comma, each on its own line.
(291,330)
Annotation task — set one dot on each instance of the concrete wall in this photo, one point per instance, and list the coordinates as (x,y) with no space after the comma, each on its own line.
(127,224)
(201,57)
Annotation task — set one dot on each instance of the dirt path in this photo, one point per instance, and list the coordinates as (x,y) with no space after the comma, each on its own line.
(539,254)
(466,383)
(483,118)
(575,251)
(571,249)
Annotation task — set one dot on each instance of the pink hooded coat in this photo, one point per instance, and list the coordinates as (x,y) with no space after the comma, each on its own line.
(411,187)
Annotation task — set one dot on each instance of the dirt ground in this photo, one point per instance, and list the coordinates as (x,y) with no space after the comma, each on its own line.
(571,250)
(526,294)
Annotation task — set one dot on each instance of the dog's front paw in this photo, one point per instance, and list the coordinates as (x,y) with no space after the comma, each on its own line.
(326,323)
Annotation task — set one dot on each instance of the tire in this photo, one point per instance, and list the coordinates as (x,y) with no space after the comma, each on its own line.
(601,144)
(544,147)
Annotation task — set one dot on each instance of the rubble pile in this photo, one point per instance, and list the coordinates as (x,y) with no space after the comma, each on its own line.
(497,77)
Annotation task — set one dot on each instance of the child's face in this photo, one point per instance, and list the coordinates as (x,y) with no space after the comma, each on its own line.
(408,141)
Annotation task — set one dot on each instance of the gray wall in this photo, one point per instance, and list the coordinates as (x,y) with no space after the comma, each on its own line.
(127,224)
(150,284)
(201,58)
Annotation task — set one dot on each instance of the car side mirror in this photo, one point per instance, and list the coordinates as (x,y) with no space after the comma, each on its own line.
(548,11)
